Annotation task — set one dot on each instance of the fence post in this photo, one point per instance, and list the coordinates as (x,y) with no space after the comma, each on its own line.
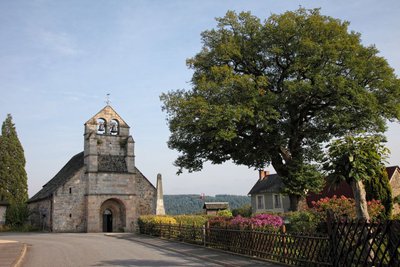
(169,230)
(284,249)
(332,236)
(204,235)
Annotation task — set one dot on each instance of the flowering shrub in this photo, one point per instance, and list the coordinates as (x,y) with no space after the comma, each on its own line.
(343,206)
(219,221)
(265,220)
(259,221)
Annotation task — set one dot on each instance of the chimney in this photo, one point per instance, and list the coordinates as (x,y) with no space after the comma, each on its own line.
(263,174)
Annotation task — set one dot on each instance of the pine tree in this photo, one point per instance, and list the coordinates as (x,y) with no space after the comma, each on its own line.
(13,178)
(378,188)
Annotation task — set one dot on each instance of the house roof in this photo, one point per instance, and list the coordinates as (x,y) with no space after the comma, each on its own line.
(215,205)
(66,173)
(72,166)
(270,184)
(390,171)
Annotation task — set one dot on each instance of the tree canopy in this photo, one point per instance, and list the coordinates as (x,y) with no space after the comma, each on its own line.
(13,178)
(357,159)
(272,92)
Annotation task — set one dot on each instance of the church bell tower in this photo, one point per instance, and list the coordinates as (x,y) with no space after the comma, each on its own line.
(108,147)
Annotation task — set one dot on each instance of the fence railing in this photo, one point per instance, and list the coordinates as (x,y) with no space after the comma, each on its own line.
(293,249)
(347,243)
(358,243)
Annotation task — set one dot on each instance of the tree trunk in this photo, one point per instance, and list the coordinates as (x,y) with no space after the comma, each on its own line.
(360,199)
(294,202)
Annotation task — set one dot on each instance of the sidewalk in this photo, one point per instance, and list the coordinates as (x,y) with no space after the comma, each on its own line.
(207,254)
(11,253)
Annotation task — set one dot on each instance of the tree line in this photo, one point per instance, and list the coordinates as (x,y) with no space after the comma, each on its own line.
(193,204)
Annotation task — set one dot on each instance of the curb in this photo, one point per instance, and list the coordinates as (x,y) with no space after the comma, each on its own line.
(21,257)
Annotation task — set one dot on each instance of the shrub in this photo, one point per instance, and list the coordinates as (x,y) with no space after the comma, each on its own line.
(267,221)
(302,221)
(345,207)
(156,219)
(17,215)
(224,213)
(260,222)
(219,221)
(196,220)
(244,211)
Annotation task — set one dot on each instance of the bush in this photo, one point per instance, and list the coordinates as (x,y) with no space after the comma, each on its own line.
(17,215)
(196,220)
(244,211)
(224,213)
(302,221)
(156,219)
(259,222)
(345,207)
(219,221)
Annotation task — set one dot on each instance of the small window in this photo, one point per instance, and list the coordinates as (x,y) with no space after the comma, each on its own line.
(70,215)
(260,202)
(277,201)
(70,190)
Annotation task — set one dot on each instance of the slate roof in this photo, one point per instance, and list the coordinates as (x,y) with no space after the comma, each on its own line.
(69,170)
(72,166)
(270,184)
(216,205)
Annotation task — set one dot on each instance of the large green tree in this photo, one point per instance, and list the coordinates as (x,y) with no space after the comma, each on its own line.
(272,92)
(13,178)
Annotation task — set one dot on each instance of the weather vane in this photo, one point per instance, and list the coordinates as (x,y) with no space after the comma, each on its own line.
(108,99)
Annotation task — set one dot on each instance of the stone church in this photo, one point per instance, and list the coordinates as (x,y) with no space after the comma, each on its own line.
(99,189)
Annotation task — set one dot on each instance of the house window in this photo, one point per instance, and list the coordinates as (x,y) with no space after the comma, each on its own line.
(260,202)
(277,201)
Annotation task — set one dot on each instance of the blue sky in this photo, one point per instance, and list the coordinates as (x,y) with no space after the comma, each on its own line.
(59,59)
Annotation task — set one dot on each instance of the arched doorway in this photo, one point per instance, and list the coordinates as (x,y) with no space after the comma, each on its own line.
(107,221)
(113,216)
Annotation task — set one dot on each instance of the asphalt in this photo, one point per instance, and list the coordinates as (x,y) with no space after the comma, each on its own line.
(11,253)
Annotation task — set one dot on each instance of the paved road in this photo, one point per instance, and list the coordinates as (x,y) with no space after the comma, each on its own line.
(47,250)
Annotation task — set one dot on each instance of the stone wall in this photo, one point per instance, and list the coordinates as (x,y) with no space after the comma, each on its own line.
(40,214)
(69,212)
(146,195)
(395,183)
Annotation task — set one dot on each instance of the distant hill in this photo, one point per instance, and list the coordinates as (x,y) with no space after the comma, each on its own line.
(193,204)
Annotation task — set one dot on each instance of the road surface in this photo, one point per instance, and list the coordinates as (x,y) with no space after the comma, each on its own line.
(98,249)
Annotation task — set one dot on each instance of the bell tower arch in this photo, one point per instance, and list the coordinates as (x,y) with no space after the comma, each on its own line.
(108,146)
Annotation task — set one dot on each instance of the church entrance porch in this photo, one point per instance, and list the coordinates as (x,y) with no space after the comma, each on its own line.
(112,215)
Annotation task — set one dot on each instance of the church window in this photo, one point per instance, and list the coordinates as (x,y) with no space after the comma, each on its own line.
(101,126)
(70,190)
(114,127)
(70,215)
